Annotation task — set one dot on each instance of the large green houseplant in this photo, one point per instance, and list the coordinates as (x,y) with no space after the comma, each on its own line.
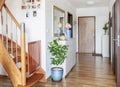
(59,54)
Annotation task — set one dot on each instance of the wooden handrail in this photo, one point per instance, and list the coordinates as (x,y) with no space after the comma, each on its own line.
(1,4)
(12,17)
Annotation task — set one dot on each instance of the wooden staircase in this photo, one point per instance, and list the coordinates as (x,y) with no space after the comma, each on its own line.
(13,55)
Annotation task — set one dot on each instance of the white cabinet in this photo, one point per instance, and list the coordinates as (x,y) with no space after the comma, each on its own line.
(105,45)
(70,61)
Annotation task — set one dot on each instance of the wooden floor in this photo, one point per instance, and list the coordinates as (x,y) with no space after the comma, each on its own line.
(90,71)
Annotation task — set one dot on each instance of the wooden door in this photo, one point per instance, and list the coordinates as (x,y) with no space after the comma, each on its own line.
(110,34)
(116,41)
(112,41)
(86,34)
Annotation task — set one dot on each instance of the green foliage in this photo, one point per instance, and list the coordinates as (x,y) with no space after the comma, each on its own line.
(62,34)
(58,51)
(105,28)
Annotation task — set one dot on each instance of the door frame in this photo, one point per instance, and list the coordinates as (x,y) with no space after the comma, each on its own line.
(94,31)
(116,28)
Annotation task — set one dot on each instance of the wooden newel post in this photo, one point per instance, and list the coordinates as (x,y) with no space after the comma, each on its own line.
(23,57)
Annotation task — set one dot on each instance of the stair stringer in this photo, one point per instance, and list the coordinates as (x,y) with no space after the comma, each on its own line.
(1,3)
(9,65)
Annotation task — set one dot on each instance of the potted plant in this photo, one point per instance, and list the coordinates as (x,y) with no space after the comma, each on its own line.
(62,36)
(105,28)
(59,54)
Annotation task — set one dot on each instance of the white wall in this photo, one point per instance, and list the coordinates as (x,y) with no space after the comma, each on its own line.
(35,26)
(101,14)
(40,27)
(67,7)
(111,5)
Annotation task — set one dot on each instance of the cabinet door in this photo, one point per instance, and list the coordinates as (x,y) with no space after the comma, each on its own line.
(33,56)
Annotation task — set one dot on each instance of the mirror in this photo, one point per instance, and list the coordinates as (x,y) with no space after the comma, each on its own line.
(58,20)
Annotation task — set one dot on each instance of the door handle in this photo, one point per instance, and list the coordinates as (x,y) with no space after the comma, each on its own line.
(117,40)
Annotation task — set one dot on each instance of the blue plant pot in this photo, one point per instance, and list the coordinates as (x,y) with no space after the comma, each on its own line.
(57,74)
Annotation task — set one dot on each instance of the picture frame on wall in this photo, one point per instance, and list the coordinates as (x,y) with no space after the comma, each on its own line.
(37,0)
(28,1)
(23,2)
(29,6)
(33,1)
(34,13)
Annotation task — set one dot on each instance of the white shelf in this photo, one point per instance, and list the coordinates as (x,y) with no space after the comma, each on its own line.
(105,45)
(70,61)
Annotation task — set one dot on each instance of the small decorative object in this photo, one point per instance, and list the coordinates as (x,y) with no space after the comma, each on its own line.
(28,1)
(38,0)
(23,1)
(59,25)
(33,1)
(34,13)
(68,31)
(59,31)
(23,7)
(28,6)
(34,6)
(38,6)
(62,36)
(59,54)
(67,26)
(27,14)
(105,28)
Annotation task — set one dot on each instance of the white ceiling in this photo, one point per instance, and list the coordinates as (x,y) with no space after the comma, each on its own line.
(83,3)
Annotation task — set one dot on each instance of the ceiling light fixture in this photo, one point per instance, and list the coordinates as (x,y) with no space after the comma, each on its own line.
(90,2)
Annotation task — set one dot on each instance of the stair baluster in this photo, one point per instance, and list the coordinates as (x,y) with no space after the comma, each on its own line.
(6,33)
(16,46)
(11,36)
(2,24)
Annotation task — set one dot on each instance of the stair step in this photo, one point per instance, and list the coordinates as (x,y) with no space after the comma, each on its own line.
(34,78)
(38,75)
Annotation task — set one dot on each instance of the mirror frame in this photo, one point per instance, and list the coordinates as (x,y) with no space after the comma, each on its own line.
(61,19)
